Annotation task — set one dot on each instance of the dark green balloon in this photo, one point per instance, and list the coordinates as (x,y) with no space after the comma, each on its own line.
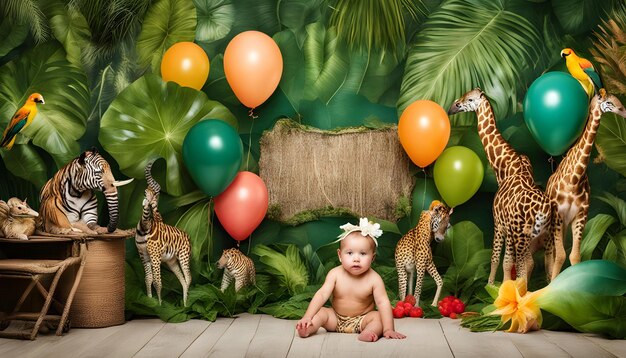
(212,152)
(555,109)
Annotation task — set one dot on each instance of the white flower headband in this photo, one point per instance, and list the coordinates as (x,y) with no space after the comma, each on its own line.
(367,228)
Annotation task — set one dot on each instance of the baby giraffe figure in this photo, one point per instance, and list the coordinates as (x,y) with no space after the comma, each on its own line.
(413,252)
(158,242)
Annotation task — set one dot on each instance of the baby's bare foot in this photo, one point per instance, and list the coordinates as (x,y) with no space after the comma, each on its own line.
(368,336)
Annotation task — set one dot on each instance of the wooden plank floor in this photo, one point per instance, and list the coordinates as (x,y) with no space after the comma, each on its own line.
(265,336)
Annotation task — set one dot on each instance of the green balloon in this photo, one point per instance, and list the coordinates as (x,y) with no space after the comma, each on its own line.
(555,109)
(212,152)
(458,174)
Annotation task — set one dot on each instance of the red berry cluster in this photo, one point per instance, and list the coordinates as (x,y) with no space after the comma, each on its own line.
(407,308)
(451,307)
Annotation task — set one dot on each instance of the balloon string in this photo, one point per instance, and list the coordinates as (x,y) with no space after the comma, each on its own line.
(211,218)
(249,145)
(251,114)
(424,193)
(249,244)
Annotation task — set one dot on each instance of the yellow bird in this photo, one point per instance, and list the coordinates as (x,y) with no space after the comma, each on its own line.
(21,119)
(582,70)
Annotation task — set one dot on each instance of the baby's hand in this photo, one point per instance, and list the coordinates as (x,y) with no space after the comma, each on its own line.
(393,334)
(302,327)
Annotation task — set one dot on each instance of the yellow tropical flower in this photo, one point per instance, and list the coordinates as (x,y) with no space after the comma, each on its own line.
(520,307)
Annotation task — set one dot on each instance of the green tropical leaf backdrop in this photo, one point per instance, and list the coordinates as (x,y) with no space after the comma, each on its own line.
(156,128)
(346,63)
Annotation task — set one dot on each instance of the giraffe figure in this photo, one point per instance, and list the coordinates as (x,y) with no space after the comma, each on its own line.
(568,186)
(521,211)
(413,252)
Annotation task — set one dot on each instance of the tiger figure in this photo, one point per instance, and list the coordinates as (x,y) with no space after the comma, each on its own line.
(158,242)
(413,252)
(238,266)
(68,200)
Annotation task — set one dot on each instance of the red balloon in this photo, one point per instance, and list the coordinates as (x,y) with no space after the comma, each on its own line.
(243,205)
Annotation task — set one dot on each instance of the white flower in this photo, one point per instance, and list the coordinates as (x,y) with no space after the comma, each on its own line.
(366,227)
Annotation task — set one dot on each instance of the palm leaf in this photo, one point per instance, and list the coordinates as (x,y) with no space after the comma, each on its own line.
(150,120)
(611,142)
(111,22)
(59,122)
(20,12)
(467,44)
(289,267)
(369,24)
(167,22)
(610,50)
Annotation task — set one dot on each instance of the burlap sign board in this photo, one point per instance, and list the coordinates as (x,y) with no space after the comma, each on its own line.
(360,171)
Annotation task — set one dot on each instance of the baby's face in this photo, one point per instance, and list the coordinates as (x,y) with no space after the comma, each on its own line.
(356,253)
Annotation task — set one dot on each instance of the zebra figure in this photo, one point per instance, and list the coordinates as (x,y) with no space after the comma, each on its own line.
(68,200)
(158,242)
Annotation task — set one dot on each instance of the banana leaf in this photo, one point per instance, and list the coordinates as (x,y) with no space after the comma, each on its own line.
(59,123)
(611,142)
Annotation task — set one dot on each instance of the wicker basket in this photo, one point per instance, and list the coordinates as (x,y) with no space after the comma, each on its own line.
(99,300)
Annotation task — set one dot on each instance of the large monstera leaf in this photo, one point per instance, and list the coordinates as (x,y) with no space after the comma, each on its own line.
(149,120)
(220,20)
(59,123)
(466,44)
(611,142)
(13,36)
(215,19)
(579,16)
(70,27)
(166,23)
(331,87)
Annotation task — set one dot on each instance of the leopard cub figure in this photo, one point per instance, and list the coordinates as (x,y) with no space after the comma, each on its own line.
(413,252)
(236,266)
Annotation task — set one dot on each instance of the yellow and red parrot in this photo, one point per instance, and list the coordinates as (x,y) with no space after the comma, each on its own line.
(21,119)
(582,70)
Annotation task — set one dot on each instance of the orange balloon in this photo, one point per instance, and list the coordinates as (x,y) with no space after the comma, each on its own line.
(253,66)
(186,64)
(424,130)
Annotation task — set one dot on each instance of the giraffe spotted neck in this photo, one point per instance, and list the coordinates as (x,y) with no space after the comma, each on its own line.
(577,158)
(499,152)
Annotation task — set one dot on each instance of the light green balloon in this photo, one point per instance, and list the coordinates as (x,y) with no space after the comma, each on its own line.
(458,174)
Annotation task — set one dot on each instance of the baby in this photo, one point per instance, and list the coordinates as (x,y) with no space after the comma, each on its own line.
(355,288)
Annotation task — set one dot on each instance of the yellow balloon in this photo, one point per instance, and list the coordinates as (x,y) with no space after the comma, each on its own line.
(186,64)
